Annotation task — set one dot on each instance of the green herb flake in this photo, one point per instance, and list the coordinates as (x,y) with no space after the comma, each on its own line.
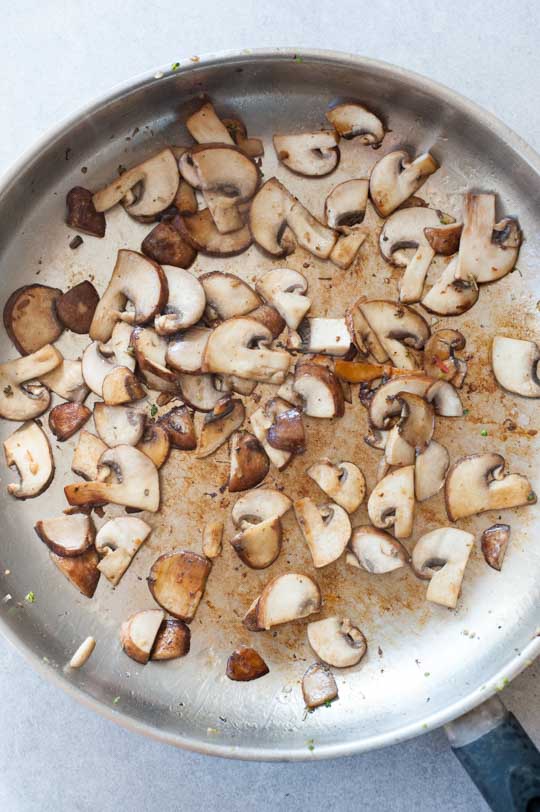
(466,411)
(298,59)
(531,497)
(427,674)
(424,726)
(311,745)
(30,597)
(484,433)
(175,65)
(116,700)
(328,703)
(153,410)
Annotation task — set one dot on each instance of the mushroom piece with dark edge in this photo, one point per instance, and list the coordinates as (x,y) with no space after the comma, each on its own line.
(417,422)
(185,352)
(384,408)
(87,455)
(185,304)
(138,634)
(394,178)
(259,505)
(118,425)
(288,597)
(225,418)
(515,364)
(67,535)
(249,462)
(245,664)
(285,289)
(392,502)
(81,213)
(376,551)
(401,331)
(172,641)
(239,347)
(258,545)
(76,307)
(29,452)
(343,482)
(326,529)
(177,581)
(200,392)
(206,127)
(445,399)
(336,641)
(166,245)
(150,351)
(31,319)
(154,181)
(67,418)
(227,296)
(440,360)
(286,433)
(81,570)
(117,542)
(430,470)
(320,390)
(311,154)
(200,231)
(488,250)
(99,360)
(494,543)
(353,120)
(318,686)
(442,556)
(263,420)
(66,380)
(451,296)
(121,386)
(345,208)
(178,423)
(155,443)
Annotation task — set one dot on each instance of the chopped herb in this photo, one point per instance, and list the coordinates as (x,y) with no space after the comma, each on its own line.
(153,410)
(531,497)
(175,65)
(466,411)
(30,597)
(116,700)
(328,703)
(298,59)
(424,726)
(427,674)
(311,745)
(484,433)
(8,391)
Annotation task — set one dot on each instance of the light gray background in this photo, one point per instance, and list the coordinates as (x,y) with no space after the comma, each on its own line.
(56,55)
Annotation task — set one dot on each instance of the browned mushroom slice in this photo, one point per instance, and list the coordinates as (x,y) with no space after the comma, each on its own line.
(138,634)
(311,154)
(262,420)
(66,380)
(376,551)
(451,296)
(430,470)
(440,360)
(172,641)
(249,462)
(98,360)
(67,418)
(326,529)
(417,421)
(155,443)
(251,146)
(395,177)
(185,200)
(392,502)
(363,335)
(318,686)
(165,245)
(178,423)
(200,231)
(177,581)
(227,295)
(442,556)
(445,399)
(336,641)
(122,386)
(286,392)
(150,351)
(383,406)
(515,364)
(245,664)
(225,418)
(347,246)
(212,539)
(30,317)
(270,318)
(118,425)
(320,391)
(200,392)
(238,347)
(400,330)
(154,183)
(76,307)
(286,290)
(81,213)
(494,543)
(488,250)
(81,570)
(288,597)
(87,455)
(258,545)
(287,431)
(343,482)
(185,352)
(445,238)
(259,505)
(29,452)
(185,304)
(353,120)
(67,535)
(206,127)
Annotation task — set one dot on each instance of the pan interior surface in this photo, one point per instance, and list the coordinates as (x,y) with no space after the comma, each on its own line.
(424,662)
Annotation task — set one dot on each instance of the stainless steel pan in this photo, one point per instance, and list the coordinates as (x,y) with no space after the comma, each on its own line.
(426,665)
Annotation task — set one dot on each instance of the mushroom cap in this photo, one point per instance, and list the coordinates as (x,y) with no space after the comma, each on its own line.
(29,451)
(185,304)
(399,329)
(326,529)
(245,664)
(206,127)
(288,597)
(158,177)
(346,204)
(227,295)
(445,399)
(311,154)
(392,502)
(449,547)
(172,640)
(178,423)
(285,290)
(122,386)
(118,425)
(430,470)
(440,360)
(262,420)
(343,482)
(336,641)
(377,551)
(488,250)
(417,422)
(394,178)
(199,391)
(494,542)
(177,581)
(80,570)
(236,347)
(515,365)
(31,319)
(166,245)
(118,540)
(155,443)
(397,451)
(260,505)
(150,351)
(20,399)
(353,120)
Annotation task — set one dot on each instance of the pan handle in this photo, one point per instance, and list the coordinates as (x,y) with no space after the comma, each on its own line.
(499,757)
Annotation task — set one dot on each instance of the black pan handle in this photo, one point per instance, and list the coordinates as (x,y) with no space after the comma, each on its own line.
(499,757)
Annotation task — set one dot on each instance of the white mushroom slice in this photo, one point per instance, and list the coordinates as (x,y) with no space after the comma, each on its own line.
(384,406)
(417,421)
(151,353)
(177,582)
(67,535)
(122,386)
(397,450)
(207,128)
(138,633)
(288,597)
(225,418)
(262,421)
(227,295)
(353,120)
(239,347)
(326,529)
(158,176)
(185,304)
(318,686)
(488,250)
(272,209)
(258,506)
(229,383)
(320,390)
(185,352)
(212,539)
(286,392)
(347,246)
(445,399)
(130,478)
(118,541)
(87,455)
(118,425)
(376,438)
(450,296)
(99,360)
(311,154)
(343,482)
(67,381)
(199,230)
(336,641)
(136,279)
(346,204)
(20,399)
(199,391)
(406,229)
(394,178)
(478,483)
(430,471)
(399,329)
(28,450)
(442,556)
(515,365)
(325,336)
(259,545)
(286,290)
(155,443)
(376,551)
(392,502)
(364,337)
(83,653)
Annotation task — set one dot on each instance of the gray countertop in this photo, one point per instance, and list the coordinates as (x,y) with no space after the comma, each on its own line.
(55,56)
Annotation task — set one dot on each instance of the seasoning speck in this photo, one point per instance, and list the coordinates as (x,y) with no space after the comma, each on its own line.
(484,433)
(153,410)
(8,391)
(175,65)
(76,241)
(30,597)
(466,411)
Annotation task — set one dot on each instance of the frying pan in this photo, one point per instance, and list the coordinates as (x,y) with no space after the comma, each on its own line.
(426,665)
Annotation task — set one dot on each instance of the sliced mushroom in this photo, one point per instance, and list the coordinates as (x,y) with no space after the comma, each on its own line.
(287,431)
(384,407)
(155,443)
(66,380)
(347,246)
(87,455)
(494,543)
(320,391)
(286,392)
(417,421)
(392,502)
(442,556)
(318,686)
(326,529)
(430,470)
(258,506)
(227,295)
(343,482)
(272,209)
(138,634)
(178,423)
(130,478)
(409,229)
(226,417)
(19,398)
(30,317)
(239,347)
(445,399)
(346,204)
(200,231)
(245,664)
(451,296)
(477,483)
(121,386)
(488,250)
(76,307)
(237,129)
(263,420)
(268,316)
(353,120)
(200,392)
(515,365)
(440,359)
(259,545)
(376,551)
(397,451)
(118,541)
(166,246)
(81,213)
(99,360)
(363,335)
(212,539)
(249,462)
(28,450)
(136,279)
(67,535)
(288,597)
(67,418)
(207,128)
(185,352)
(154,183)
(81,570)
(336,641)
(286,290)
(185,304)
(172,641)
(399,329)
(118,425)
(177,581)
(312,154)
(325,336)
(185,202)
(395,177)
